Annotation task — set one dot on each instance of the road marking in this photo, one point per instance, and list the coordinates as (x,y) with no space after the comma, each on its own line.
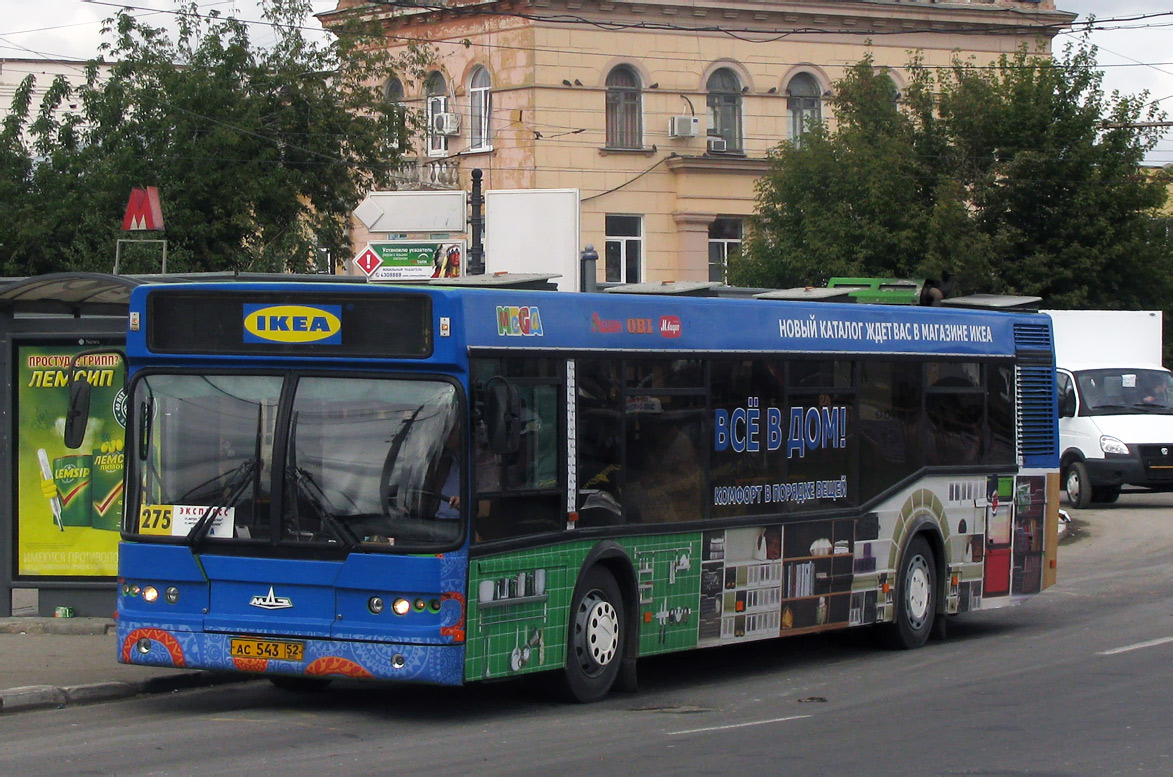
(737,725)
(1137,646)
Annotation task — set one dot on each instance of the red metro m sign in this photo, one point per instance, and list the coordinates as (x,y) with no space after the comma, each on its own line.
(143,212)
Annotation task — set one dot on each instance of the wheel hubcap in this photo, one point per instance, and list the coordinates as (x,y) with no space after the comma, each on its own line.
(919,592)
(597,630)
(1073,487)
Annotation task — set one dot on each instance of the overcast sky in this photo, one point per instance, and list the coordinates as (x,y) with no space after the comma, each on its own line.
(1135,54)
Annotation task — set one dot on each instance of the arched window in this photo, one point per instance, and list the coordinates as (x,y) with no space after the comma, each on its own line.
(805,104)
(393,94)
(724,103)
(896,93)
(480,109)
(436,90)
(624,111)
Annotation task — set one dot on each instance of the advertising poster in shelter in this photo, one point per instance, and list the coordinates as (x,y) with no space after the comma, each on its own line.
(68,502)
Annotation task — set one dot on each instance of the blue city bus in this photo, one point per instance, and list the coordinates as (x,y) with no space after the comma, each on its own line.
(442,485)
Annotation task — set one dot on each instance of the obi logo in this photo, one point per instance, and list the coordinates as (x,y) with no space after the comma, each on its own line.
(523,321)
(669,326)
(293,324)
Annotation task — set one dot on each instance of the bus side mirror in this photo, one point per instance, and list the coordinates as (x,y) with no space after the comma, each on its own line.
(502,416)
(1067,405)
(77,417)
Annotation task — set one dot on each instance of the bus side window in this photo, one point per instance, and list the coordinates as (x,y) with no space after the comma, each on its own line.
(954,407)
(600,442)
(664,431)
(517,493)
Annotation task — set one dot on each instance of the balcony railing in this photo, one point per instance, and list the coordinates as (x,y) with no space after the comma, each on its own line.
(429,174)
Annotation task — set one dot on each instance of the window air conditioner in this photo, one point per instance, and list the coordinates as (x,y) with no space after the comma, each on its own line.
(683,126)
(716,143)
(446,123)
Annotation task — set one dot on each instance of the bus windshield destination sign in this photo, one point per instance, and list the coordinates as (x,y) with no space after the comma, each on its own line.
(371,325)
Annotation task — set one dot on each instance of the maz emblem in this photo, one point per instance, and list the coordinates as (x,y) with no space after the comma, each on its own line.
(271,602)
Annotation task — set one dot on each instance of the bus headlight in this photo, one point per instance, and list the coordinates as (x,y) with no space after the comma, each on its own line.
(150,593)
(401,606)
(375,604)
(1112,445)
(171,594)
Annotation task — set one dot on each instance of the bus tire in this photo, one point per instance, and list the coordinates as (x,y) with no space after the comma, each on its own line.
(596,635)
(1078,485)
(299,684)
(916,598)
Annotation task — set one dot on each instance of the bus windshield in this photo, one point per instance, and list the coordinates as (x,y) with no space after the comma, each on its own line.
(358,463)
(1124,391)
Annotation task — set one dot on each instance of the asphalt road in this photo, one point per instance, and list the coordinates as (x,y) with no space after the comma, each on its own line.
(1079,681)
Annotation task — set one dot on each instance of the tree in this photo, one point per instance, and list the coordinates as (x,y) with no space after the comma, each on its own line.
(1021,177)
(259,154)
(854,201)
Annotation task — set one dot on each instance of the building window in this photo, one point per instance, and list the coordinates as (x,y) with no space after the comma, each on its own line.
(624,120)
(436,90)
(724,102)
(805,105)
(480,104)
(396,110)
(624,249)
(724,242)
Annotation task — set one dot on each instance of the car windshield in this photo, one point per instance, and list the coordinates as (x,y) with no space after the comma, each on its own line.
(353,463)
(1124,391)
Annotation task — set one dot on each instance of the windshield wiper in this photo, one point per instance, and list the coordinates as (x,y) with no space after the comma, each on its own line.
(317,498)
(239,481)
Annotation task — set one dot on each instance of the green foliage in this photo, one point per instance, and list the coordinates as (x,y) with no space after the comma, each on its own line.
(259,154)
(1020,178)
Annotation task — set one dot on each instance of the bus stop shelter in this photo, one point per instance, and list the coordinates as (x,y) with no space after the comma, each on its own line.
(65,546)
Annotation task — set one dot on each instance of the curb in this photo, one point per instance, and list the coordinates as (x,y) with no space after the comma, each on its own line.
(39,697)
(71,626)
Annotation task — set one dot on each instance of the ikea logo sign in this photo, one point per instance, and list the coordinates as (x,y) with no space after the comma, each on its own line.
(293,324)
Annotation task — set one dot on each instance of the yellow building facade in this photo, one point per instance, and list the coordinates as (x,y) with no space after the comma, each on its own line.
(660,113)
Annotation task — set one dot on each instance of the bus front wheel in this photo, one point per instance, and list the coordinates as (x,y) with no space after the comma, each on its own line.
(597,634)
(916,597)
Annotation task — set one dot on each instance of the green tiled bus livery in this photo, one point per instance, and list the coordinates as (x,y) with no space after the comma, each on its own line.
(443,485)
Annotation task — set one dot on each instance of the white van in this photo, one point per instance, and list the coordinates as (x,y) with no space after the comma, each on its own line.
(1115,403)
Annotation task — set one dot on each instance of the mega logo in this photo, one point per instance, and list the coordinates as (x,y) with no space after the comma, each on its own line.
(293,324)
(523,321)
(669,326)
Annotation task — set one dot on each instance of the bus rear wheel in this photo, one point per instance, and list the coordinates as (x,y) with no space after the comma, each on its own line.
(596,639)
(916,598)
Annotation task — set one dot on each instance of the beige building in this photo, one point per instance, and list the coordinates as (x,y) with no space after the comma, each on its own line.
(660,112)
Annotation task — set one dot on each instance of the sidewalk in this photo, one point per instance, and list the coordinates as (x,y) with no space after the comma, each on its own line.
(51,662)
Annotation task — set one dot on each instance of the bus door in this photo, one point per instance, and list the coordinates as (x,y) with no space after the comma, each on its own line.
(999,523)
